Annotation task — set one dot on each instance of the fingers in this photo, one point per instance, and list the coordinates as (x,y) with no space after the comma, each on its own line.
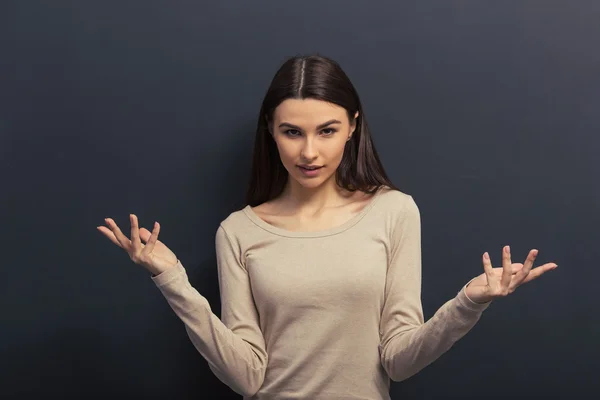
(487,266)
(153,238)
(136,244)
(514,269)
(144,235)
(506,270)
(518,279)
(539,271)
(134,247)
(512,275)
(498,271)
(108,233)
(121,239)
(529,261)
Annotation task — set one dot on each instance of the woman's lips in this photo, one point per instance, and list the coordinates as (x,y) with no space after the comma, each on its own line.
(310,172)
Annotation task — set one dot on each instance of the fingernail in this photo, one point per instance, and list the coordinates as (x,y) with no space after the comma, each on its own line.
(508,249)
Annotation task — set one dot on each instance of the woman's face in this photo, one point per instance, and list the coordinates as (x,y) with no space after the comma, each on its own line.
(311,132)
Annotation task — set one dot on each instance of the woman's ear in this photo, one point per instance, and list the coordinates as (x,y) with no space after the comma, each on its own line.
(353,125)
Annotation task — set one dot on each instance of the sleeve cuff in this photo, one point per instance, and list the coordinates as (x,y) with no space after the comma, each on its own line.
(167,276)
(468,303)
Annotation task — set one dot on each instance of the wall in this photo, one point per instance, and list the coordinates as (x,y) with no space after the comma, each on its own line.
(485,112)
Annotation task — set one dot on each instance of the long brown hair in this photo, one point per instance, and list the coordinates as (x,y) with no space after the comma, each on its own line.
(321,78)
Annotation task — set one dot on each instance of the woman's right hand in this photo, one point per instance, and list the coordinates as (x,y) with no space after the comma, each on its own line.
(154,255)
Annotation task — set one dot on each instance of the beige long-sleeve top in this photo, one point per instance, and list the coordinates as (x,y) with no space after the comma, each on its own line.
(333,314)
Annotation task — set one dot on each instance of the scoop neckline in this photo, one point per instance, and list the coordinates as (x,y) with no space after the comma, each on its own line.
(311,234)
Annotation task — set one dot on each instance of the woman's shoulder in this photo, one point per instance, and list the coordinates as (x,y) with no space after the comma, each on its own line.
(235,219)
(395,197)
(396,203)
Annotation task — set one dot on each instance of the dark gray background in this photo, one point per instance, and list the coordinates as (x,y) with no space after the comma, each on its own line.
(486,112)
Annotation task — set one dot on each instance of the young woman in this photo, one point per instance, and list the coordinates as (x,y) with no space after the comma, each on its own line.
(320,274)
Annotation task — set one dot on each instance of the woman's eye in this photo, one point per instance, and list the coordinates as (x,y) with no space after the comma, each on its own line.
(289,132)
(295,132)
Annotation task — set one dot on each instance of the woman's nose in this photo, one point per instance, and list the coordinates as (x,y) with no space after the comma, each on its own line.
(309,150)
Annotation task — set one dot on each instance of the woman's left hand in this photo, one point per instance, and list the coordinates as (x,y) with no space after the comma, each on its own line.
(502,281)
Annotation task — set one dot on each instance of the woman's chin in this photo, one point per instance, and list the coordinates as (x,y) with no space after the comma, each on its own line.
(310,182)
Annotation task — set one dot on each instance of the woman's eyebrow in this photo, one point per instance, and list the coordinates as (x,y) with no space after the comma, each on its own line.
(323,125)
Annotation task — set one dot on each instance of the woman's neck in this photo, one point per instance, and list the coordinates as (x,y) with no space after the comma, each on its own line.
(311,200)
